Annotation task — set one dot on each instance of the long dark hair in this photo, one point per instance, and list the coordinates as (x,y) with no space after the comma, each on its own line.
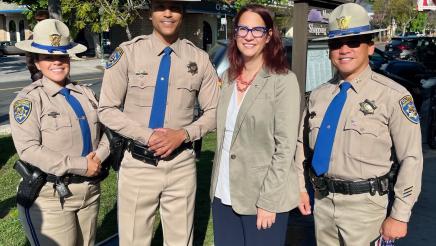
(273,52)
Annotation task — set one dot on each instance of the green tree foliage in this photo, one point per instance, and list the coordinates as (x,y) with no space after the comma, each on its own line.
(418,24)
(239,3)
(119,12)
(98,15)
(403,11)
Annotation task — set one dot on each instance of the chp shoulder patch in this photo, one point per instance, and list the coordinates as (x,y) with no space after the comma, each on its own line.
(409,109)
(22,109)
(115,57)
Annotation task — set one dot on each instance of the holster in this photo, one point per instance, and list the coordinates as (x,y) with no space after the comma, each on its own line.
(118,145)
(33,181)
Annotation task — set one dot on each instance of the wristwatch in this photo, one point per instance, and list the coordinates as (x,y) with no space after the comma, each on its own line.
(187,137)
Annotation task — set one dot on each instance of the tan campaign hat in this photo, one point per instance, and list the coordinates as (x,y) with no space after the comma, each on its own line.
(51,36)
(349,19)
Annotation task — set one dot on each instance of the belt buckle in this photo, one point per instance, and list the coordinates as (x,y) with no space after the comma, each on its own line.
(372,189)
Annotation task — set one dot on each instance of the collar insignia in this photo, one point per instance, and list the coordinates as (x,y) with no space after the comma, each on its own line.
(343,22)
(367,107)
(192,68)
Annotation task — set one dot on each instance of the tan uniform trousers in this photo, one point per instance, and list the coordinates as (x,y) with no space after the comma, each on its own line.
(46,223)
(350,220)
(142,188)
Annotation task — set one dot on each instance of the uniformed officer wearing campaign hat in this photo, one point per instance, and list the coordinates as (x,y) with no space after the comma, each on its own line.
(355,128)
(149,90)
(55,128)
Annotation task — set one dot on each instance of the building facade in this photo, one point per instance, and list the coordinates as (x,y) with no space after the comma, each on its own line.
(203,24)
(13,23)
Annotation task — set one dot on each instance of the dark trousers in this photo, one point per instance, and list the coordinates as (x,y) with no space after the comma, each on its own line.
(232,229)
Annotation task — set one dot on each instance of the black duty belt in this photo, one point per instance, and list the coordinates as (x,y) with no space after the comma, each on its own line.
(324,185)
(142,153)
(77,179)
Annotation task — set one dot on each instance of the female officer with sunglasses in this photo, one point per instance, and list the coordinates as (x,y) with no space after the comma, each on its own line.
(254,183)
(55,128)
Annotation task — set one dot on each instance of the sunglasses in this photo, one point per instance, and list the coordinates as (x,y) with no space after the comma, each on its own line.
(335,44)
(257,31)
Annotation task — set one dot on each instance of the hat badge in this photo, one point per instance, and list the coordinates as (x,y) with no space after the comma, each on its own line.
(55,39)
(343,22)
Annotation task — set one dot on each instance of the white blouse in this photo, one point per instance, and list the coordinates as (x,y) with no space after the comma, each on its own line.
(223,184)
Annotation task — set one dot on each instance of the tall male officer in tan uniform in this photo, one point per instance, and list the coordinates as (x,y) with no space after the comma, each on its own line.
(132,81)
(351,149)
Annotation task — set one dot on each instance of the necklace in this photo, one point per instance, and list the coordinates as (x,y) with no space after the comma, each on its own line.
(242,85)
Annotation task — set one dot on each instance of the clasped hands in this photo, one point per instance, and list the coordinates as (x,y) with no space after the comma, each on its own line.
(94,165)
(163,141)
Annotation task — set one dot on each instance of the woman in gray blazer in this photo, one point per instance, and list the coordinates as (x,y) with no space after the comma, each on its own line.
(254,182)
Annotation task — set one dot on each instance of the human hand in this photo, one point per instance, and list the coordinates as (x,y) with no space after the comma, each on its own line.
(96,159)
(393,229)
(93,165)
(304,206)
(265,219)
(165,140)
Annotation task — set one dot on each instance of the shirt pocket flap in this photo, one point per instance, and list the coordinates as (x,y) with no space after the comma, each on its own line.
(188,85)
(55,122)
(142,82)
(362,127)
(141,92)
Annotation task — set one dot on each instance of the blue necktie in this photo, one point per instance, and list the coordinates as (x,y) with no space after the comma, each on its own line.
(157,115)
(326,135)
(84,127)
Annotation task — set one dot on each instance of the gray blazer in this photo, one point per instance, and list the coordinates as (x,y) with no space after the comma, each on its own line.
(262,172)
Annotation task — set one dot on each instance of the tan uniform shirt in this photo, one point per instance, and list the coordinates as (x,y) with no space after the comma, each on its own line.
(50,136)
(368,140)
(130,82)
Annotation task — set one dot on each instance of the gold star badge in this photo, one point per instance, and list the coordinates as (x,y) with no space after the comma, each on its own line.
(367,107)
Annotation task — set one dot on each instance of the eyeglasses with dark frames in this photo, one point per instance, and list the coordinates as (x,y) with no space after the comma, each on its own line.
(257,31)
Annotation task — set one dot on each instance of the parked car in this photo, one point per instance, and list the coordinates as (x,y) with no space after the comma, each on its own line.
(8,48)
(402,47)
(426,52)
(406,73)
(379,60)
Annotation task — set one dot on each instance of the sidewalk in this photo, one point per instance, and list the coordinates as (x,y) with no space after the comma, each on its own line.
(13,68)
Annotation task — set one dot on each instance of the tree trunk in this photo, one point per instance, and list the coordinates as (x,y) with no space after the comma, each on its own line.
(404,29)
(129,34)
(54,9)
(97,44)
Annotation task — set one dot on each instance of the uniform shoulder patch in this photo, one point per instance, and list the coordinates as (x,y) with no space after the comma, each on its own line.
(115,57)
(409,109)
(22,109)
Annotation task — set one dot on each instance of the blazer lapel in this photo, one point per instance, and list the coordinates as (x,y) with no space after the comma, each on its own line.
(226,94)
(249,99)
